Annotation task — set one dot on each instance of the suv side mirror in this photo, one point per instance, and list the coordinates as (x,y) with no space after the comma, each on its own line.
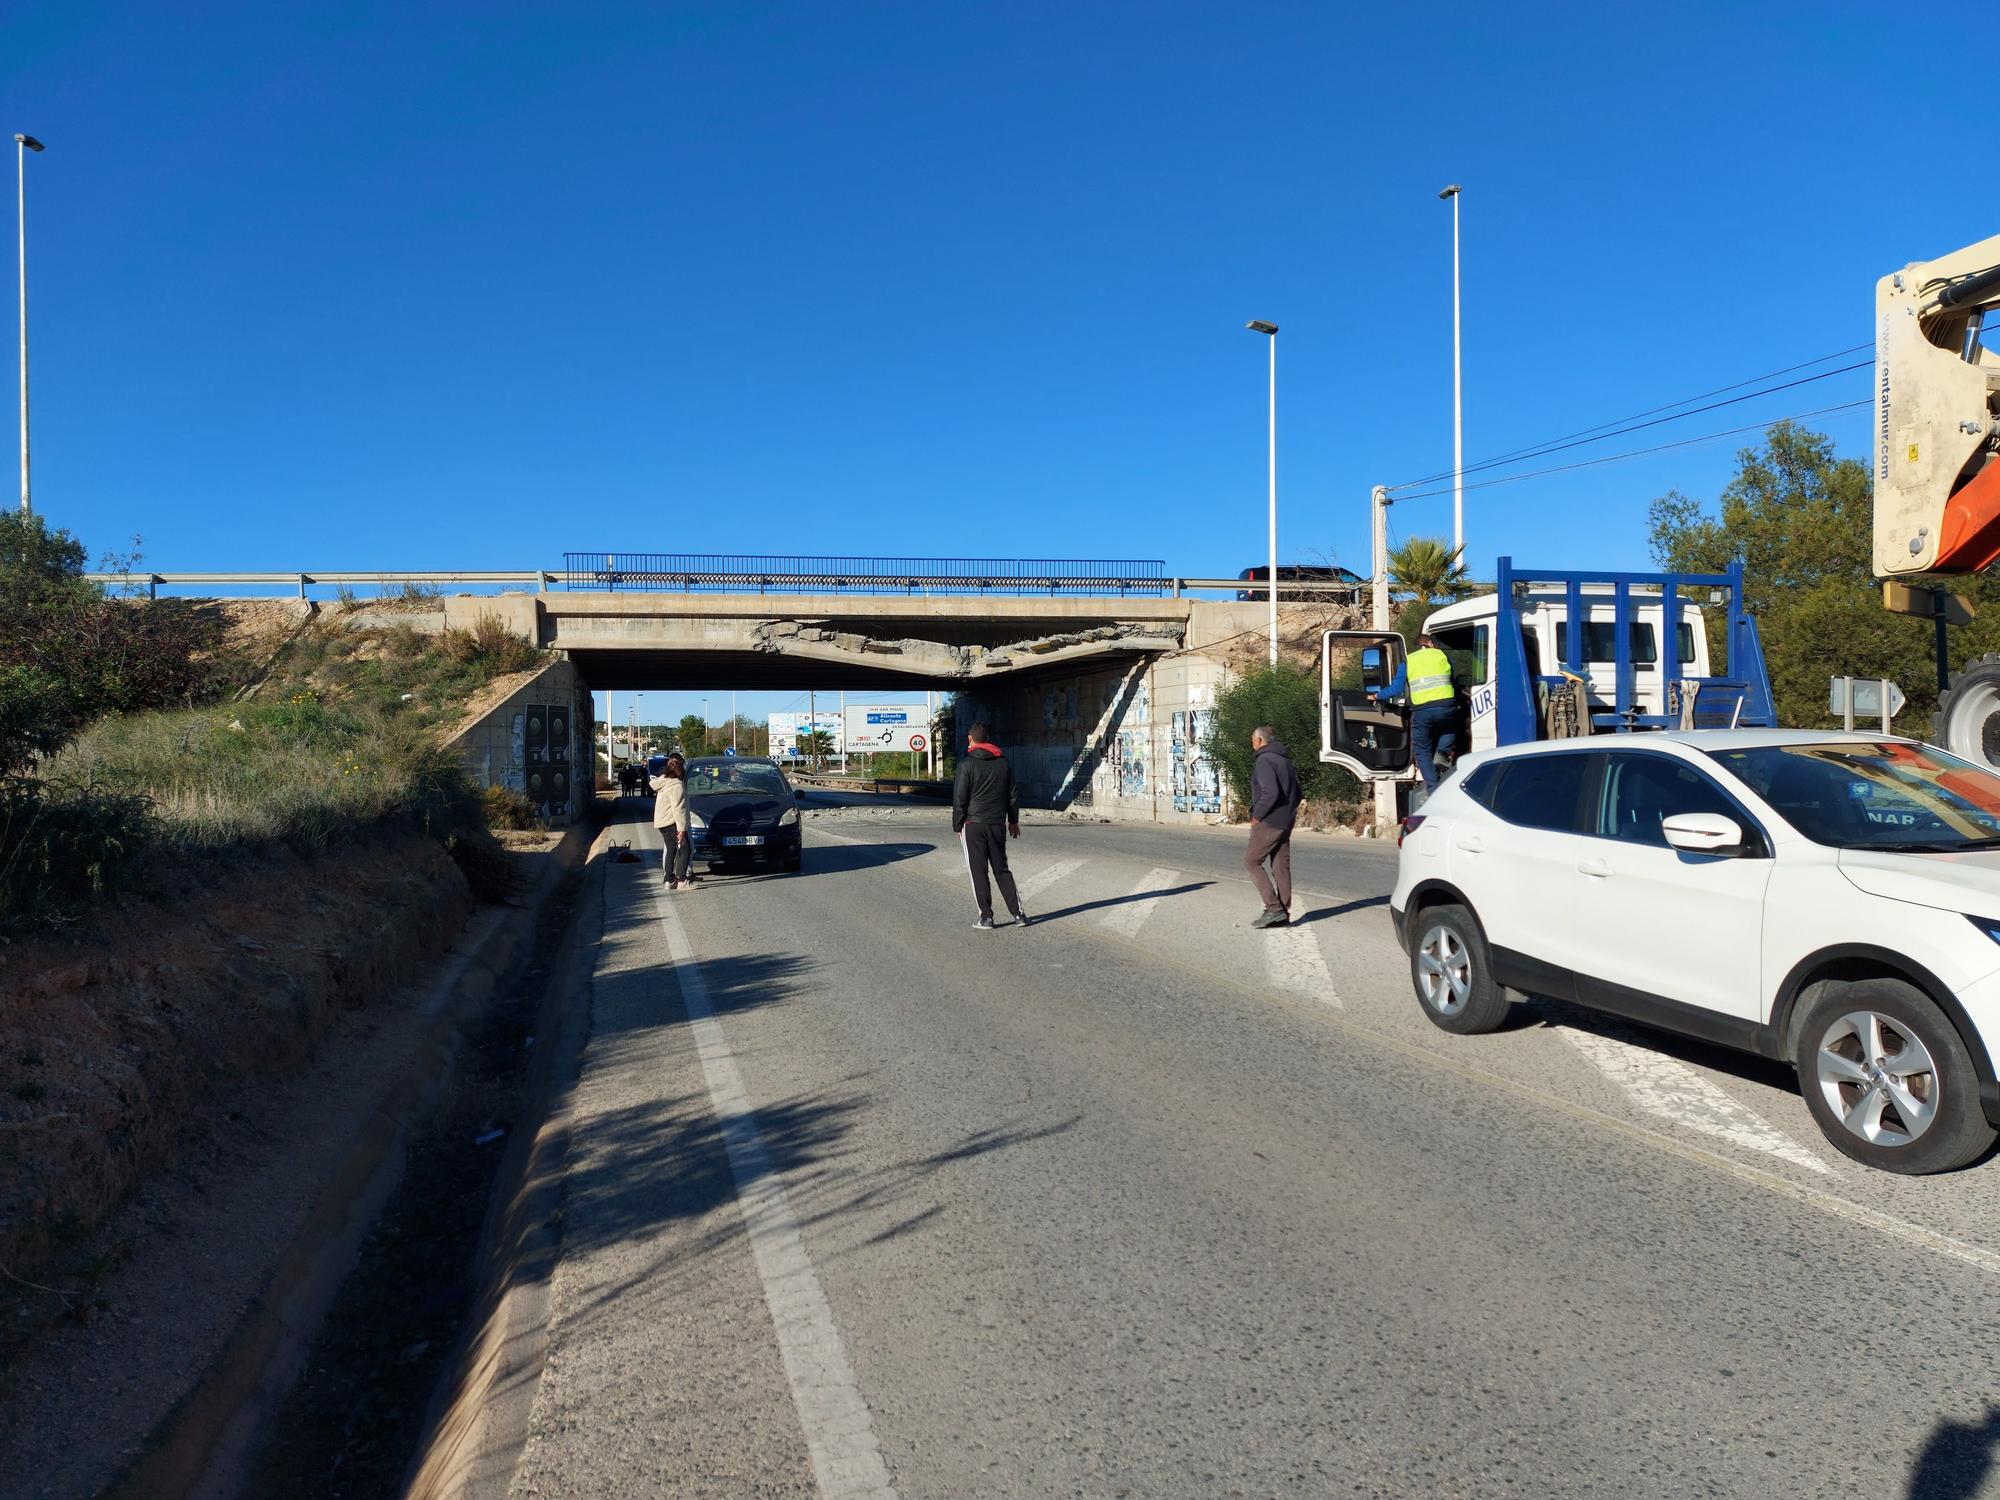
(797,795)
(1703,833)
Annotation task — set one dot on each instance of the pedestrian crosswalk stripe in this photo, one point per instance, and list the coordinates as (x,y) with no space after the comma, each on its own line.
(1293,959)
(1129,915)
(1033,885)
(1666,1087)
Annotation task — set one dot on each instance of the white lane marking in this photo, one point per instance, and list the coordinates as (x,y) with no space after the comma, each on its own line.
(1672,1090)
(1041,880)
(1293,959)
(1129,915)
(839,1430)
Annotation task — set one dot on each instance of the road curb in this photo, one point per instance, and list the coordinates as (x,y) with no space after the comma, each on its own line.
(478,1420)
(200,1447)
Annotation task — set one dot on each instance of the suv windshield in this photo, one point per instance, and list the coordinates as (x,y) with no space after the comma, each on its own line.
(742,781)
(1875,795)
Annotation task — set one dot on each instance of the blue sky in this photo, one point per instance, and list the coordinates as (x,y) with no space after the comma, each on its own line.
(457,285)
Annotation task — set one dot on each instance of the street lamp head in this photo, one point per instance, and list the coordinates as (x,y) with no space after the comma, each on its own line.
(1257,325)
(29,141)
(1451,192)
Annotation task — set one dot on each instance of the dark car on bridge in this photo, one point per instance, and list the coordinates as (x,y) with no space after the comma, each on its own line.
(743,812)
(1342,585)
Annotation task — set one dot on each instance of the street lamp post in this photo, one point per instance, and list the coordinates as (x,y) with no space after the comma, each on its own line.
(1457,391)
(23,144)
(1270,331)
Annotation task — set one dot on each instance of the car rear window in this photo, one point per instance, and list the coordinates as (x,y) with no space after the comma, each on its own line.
(1539,791)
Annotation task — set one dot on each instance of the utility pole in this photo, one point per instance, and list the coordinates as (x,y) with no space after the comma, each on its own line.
(1457,391)
(812,728)
(1378,553)
(1270,331)
(23,144)
(1387,794)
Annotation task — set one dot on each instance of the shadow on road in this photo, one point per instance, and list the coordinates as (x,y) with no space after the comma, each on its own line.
(1744,1065)
(1325,913)
(1083,906)
(1957,1460)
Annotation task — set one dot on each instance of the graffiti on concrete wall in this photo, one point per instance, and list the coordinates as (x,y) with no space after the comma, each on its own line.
(1196,782)
(1060,707)
(1129,759)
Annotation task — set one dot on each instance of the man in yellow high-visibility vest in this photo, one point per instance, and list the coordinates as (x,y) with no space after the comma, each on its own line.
(1426,676)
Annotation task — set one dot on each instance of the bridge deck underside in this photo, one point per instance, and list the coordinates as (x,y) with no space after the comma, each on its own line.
(626,671)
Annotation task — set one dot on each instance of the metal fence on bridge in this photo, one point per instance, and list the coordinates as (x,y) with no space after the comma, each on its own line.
(690,573)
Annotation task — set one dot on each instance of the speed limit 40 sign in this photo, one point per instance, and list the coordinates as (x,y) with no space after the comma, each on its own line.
(918,742)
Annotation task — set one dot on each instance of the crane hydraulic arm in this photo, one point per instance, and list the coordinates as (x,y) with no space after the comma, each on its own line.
(1937,415)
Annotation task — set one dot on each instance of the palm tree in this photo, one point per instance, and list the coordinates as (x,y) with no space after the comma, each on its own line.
(1426,568)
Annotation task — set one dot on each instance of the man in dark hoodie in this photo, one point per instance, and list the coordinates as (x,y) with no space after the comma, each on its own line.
(1274,804)
(985,811)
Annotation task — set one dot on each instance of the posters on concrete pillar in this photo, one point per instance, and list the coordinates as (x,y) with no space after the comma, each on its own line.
(786,729)
(882,727)
(1197,785)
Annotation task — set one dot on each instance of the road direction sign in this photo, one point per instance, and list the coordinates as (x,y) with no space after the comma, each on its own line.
(879,726)
(1906,599)
(1861,698)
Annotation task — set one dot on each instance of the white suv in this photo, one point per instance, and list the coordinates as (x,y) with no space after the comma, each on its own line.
(1832,900)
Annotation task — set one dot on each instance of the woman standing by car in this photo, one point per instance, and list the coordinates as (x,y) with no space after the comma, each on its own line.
(670,816)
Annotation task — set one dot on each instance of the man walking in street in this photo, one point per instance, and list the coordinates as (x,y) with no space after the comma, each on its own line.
(1274,806)
(985,812)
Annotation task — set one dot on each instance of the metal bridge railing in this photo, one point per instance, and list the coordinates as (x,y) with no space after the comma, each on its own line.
(691,573)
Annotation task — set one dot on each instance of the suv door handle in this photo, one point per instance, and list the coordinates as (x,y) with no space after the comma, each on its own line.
(1598,868)
(1471,843)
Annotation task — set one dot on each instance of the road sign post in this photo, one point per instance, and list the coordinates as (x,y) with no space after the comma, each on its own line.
(1936,605)
(1868,697)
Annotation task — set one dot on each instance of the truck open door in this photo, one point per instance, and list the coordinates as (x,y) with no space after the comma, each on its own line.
(1370,740)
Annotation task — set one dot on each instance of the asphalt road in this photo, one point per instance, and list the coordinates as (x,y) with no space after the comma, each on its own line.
(1143,1201)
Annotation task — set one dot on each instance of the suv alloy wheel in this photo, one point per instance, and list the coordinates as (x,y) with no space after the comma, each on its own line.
(1453,972)
(1889,1079)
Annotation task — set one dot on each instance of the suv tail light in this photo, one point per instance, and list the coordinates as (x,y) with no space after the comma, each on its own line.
(1407,827)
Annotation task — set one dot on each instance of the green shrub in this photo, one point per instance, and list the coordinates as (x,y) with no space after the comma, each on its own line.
(1286,698)
(68,653)
(509,809)
(491,645)
(63,846)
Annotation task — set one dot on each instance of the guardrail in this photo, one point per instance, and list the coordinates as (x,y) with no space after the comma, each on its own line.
(900,785)
(153,582)
(718,573)
(543,580)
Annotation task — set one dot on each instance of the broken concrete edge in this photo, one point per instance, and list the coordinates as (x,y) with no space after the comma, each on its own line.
(818,640)
(202,1445)
(477,1425)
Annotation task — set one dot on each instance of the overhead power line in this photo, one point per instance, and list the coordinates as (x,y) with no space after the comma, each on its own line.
(1590,463)
(1600,433)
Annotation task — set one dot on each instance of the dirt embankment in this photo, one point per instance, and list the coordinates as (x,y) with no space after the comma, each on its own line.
(118,1039)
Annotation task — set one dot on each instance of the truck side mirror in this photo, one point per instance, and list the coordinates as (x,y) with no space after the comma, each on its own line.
(1372,675)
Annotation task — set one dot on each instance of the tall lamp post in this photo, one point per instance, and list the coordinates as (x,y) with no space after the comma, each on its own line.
(1457,391)
(23,144)
(1270,331)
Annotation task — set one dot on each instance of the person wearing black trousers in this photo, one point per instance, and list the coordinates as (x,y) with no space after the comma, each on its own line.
(985,813)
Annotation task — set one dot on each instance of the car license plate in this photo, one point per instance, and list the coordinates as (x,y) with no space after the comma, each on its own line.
(744,838)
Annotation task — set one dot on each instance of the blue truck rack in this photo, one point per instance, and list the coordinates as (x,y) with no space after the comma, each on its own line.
(1743,698)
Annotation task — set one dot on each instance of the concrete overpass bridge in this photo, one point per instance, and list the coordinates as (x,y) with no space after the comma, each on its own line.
(1100,677)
